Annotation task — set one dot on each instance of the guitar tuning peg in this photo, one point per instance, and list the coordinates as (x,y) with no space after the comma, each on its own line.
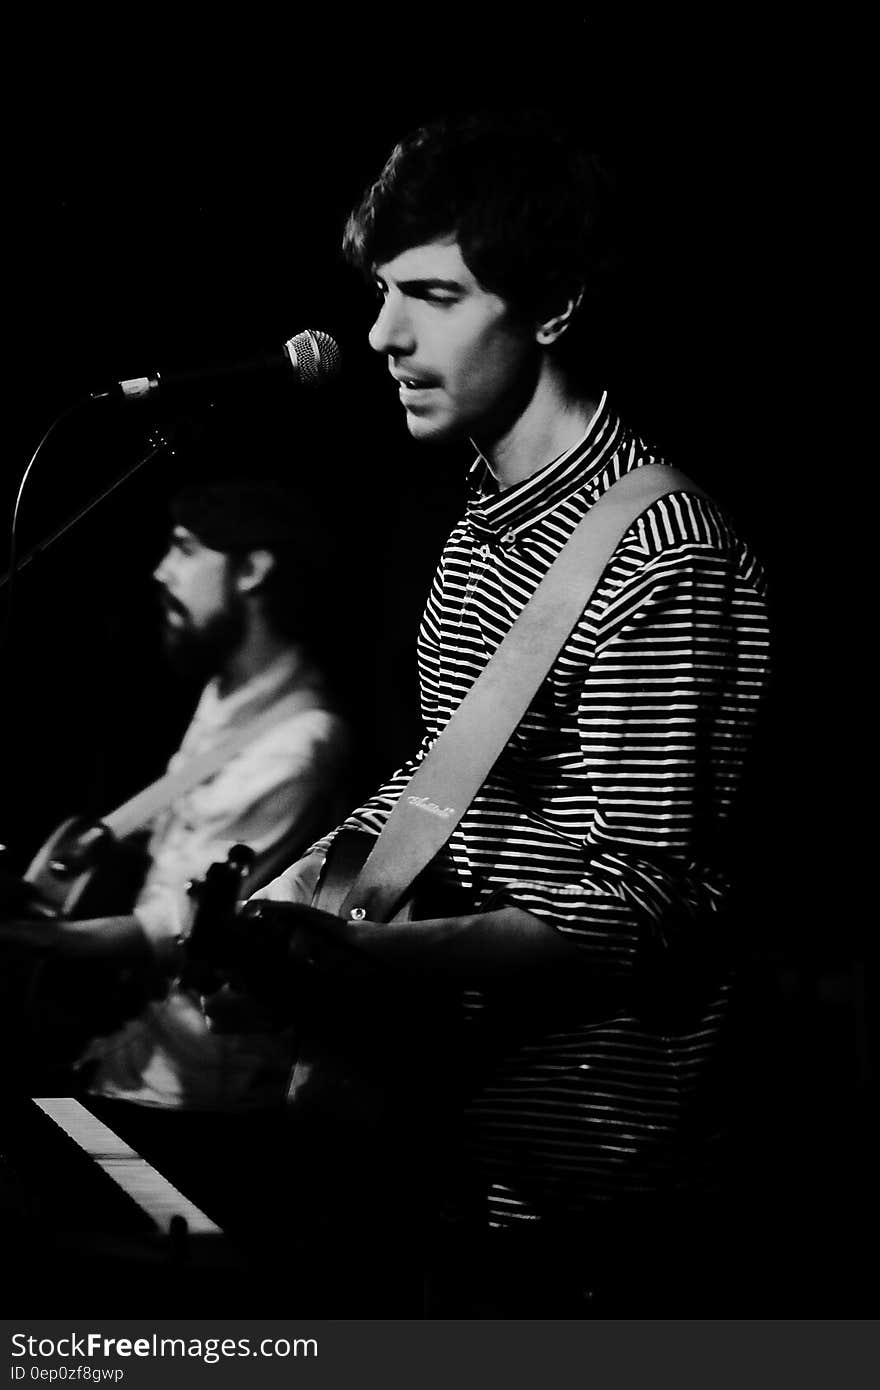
(241,857)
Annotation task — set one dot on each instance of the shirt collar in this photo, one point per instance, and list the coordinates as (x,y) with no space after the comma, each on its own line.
(492,513)
(289,669)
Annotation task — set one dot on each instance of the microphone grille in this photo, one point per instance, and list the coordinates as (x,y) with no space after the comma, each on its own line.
(315,356)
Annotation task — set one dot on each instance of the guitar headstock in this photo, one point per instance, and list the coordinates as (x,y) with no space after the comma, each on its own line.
(216,896)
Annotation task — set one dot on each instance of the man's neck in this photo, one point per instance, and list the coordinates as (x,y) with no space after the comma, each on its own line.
(553,421)
(259,649)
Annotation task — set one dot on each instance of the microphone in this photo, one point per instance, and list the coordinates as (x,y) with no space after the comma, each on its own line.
(312,356)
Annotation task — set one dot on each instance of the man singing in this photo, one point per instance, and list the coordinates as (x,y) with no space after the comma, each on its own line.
(593,855)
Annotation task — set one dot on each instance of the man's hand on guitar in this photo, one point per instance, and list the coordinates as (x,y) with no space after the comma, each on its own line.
(258,958)
(279,950)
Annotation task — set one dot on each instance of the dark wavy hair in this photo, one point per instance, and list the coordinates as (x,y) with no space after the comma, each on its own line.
(529,205)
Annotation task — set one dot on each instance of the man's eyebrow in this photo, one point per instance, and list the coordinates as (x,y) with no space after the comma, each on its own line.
(430,282)
(420,281)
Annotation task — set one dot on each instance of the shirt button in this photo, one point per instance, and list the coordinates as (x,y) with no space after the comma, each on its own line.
(508,539)
(484,551)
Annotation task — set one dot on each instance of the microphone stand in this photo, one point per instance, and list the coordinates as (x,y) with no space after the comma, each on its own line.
(160,438)
(157,442)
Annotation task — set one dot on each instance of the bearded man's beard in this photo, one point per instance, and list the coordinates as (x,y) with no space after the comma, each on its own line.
(200,653)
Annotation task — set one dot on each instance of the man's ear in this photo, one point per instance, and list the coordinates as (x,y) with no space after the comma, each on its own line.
(553,327)
(253,569)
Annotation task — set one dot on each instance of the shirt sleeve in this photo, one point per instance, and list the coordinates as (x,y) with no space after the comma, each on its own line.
(665,710)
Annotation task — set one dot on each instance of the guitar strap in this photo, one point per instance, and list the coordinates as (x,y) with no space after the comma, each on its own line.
(461,757)
(141,808)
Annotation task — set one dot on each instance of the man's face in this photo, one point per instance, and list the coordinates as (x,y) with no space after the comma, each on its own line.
(465,364)
(204,615)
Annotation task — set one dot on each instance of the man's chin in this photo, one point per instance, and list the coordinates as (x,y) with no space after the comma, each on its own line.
(188,658)
(429,430)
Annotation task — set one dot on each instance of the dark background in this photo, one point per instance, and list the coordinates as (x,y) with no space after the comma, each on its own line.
(175,198)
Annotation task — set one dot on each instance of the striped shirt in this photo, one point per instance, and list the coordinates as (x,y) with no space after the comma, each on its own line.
(604,815)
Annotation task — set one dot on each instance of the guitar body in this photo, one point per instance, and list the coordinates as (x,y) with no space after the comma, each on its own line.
(377,1050)
(53,1001)
(84,871)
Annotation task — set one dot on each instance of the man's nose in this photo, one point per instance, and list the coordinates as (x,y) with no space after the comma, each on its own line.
(392,331)
(162,572)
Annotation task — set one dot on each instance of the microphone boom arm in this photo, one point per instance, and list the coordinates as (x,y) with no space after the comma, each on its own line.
(158,441)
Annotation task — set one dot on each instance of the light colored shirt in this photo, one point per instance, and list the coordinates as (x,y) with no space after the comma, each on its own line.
(282,781)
